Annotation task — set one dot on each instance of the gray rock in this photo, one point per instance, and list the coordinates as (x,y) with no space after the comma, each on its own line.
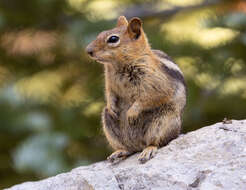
(210,158)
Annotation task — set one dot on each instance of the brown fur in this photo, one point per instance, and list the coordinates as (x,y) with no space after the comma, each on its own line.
(145,91)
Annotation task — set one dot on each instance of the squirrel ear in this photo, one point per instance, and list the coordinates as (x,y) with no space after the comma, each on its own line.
(122,21)
(134,27)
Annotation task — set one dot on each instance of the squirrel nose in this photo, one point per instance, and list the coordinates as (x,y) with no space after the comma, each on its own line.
(89,51)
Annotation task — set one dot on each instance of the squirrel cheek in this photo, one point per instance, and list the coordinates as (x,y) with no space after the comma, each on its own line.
(105,55)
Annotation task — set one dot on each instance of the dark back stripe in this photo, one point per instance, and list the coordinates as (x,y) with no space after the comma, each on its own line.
(162,55)
(175,74)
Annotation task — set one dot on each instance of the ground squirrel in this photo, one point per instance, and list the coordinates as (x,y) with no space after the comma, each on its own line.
(145,91)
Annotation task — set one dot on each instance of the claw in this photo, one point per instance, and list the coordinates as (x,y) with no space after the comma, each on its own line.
(113,113)
(118,155)
(147,154)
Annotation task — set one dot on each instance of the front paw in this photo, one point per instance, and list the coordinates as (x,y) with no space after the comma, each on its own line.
(113,112)
(132,115)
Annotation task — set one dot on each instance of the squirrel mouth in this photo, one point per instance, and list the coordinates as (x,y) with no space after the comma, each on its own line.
(97,59)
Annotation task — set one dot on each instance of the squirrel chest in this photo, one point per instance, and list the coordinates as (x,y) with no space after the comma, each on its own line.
(126,80)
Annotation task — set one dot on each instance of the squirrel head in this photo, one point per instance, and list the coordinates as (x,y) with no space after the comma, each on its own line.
(121,44)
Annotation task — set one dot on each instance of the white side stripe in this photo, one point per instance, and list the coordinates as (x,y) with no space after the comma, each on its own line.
(170,64)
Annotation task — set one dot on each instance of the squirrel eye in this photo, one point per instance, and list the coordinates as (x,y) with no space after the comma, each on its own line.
(113,39)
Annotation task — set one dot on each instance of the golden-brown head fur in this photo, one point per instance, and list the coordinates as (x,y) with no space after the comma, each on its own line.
(132,42)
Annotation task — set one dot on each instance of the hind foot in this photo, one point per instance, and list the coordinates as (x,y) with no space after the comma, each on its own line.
(118,155)
(147,154)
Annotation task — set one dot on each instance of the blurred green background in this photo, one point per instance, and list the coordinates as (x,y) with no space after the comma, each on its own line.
(52,94)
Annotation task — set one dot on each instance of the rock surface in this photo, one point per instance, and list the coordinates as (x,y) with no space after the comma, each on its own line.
(210,158)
